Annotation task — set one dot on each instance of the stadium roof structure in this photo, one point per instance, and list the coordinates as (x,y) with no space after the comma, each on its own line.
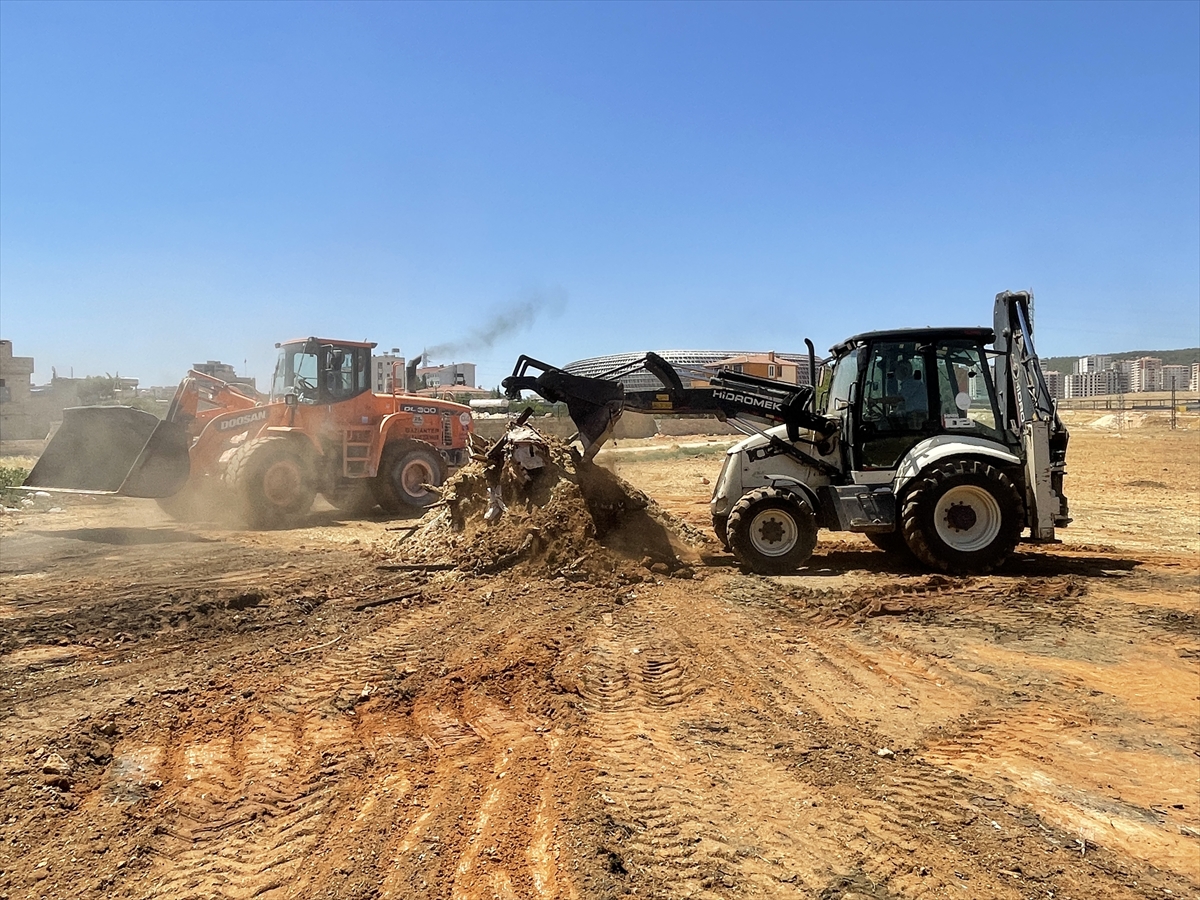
(599,366)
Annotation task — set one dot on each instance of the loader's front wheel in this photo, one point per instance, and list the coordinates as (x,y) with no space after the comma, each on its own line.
(354,496)
(772,532)
(407,471)
(962,516)
(272,481)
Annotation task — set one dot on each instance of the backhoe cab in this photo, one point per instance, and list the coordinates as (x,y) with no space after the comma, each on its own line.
(928,441)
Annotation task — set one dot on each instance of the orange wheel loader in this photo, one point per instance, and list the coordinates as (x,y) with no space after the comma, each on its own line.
(321,430)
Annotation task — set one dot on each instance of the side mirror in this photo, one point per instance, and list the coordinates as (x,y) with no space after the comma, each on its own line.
(290,399)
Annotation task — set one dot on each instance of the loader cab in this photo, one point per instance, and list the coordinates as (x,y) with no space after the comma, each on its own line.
(894,389)
(318,371)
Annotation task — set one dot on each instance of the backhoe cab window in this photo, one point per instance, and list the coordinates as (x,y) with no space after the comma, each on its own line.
(965,389)
(296,371)
(845,373)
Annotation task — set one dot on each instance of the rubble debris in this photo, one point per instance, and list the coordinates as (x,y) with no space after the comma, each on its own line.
(533,503)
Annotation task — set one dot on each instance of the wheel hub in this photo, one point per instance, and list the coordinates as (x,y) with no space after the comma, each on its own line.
(281,483)
(773,532)
(967,518)
(961,517)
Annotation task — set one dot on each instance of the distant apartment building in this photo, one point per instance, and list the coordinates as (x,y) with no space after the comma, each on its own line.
(1092,384)
(1145,374)
(16,378)
(1056,383)
(382,367)
(223,371)
(453,375)
(1194,380)
(1088,364)
(1177,377)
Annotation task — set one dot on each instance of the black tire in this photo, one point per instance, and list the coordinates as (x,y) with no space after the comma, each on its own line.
(772,532)
(272,481)
(403,468)
(962,516)
(891,542)
(354,496)
(721,530)
(184,505)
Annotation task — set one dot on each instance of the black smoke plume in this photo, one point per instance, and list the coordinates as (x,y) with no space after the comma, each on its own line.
(515,317)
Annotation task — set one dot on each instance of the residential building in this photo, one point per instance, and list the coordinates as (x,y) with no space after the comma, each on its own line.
(765,365)
(16,376)
(382,367)
(1056,383)
(1145,374)
(1092,384)
(1177,377)
(453,375)
(224,372)
(1194,380)
(1088,364)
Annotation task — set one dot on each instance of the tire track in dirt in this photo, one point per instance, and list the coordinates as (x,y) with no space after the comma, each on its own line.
(250,806)
(626,702)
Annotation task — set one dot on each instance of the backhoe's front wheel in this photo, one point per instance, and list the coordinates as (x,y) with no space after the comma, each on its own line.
(407,471)
(272,481)
(891,542)
(772,532)
(963,516)
(721,530)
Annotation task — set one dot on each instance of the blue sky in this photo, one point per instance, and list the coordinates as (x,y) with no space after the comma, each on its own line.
(181,182)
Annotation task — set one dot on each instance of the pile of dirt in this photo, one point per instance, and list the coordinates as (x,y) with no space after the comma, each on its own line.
(566,517)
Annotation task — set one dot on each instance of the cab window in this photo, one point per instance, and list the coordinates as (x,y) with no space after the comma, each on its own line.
(844,376)
(295,371)
(965,390)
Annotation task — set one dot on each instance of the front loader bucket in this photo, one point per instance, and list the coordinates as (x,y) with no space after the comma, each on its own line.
(114,450)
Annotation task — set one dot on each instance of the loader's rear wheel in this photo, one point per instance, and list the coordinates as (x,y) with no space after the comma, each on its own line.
(353,496)
(962,516)
(772,532)
(405,469)
(272,480)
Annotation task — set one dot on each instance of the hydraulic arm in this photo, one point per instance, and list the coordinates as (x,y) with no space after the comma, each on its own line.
(596,403)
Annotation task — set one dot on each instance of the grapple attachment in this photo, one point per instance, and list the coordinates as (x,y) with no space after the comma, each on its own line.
(114,450)
(593,403)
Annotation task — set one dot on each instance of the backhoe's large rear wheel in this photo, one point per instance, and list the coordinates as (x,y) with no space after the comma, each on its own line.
(962,516)
(272,481)
(405,470)
(772,532)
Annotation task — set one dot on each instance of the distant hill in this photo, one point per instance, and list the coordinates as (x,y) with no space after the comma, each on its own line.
(1066,364)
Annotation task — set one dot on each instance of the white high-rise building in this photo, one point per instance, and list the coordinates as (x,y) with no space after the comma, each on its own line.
(1088,364)
(1145,374)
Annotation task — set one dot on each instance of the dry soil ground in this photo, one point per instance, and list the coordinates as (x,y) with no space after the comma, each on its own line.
(190,711)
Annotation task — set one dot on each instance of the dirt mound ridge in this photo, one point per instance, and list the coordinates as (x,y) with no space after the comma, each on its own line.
(569,517)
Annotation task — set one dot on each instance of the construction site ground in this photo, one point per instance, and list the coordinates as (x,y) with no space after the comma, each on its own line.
(195,711)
